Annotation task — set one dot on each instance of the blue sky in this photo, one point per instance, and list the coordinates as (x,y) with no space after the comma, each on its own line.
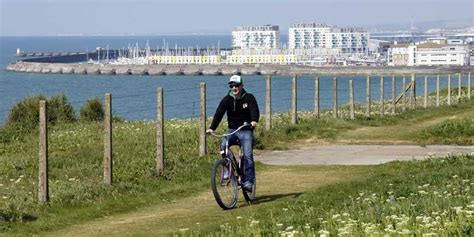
(64,17)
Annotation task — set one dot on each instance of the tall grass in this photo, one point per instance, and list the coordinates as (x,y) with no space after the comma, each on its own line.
(456,131)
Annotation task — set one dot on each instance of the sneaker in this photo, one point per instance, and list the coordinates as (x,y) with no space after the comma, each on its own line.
(247,186)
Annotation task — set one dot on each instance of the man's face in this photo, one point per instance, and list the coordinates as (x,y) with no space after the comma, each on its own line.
(235,88)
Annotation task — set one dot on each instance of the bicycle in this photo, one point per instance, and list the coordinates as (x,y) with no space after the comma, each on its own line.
(227,175)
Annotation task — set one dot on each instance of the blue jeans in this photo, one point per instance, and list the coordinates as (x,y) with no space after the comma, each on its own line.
(245,138)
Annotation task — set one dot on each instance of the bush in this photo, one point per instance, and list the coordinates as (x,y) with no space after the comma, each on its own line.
(59,110)
(92,110)
(25,114)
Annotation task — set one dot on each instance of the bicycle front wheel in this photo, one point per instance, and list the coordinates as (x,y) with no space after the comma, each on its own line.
(224,184)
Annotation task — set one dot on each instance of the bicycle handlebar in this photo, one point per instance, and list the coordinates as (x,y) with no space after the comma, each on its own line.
(228,134)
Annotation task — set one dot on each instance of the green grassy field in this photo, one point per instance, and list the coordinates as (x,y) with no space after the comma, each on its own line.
(395,199)
(76,151)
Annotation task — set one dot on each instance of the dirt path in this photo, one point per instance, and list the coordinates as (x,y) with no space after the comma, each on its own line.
(359,154)
(201,209)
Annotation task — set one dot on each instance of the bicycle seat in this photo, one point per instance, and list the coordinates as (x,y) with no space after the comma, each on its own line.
(235,143)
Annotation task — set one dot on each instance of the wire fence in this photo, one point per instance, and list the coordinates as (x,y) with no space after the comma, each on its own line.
(182,101)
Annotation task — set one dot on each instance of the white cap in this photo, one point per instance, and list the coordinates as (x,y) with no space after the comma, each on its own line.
(235,79)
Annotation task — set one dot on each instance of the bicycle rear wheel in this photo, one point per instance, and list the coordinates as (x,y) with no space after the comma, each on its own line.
(251,196)
(224,184)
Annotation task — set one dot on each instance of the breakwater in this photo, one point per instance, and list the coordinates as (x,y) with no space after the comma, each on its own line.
(246,69)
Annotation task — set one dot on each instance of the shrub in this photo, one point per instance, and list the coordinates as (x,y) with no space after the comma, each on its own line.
(25,113)
(92,110)
(60,110)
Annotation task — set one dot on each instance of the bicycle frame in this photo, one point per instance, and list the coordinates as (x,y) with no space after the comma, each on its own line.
(235,162)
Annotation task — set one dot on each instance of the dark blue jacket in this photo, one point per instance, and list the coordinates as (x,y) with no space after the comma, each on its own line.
(239,110)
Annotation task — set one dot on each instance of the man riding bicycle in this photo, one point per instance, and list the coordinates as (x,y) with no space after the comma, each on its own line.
(241,107)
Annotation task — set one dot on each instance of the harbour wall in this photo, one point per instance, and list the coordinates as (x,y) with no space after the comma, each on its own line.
(246,69)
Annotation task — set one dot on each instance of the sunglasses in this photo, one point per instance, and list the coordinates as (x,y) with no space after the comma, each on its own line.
(233,85)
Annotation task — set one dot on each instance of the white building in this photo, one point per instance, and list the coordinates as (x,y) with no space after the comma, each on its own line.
(438,54)
(314,35)
(428,54)
(256,37)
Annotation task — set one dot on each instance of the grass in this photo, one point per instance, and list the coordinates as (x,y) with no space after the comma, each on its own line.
(431,197)
(453,131)
(76,151)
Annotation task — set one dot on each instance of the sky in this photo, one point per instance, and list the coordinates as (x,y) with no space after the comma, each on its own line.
(149,17)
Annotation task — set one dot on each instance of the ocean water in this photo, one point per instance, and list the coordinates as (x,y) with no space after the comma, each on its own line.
(134,97)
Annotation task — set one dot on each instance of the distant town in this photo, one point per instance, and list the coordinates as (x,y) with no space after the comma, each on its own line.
(308,44)
(315,44)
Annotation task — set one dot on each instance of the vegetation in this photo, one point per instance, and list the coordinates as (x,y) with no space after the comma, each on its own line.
(429,198)
(75,155)
(92,111)
(456,131)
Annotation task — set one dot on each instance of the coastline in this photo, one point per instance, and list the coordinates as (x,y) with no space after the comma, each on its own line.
(245,69)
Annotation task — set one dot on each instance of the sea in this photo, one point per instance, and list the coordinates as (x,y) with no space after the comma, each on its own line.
(134,96)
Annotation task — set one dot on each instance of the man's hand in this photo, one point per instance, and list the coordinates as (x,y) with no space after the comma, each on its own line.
(254,124)
(209,131)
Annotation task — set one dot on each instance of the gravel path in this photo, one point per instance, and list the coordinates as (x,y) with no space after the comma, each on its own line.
(358,154)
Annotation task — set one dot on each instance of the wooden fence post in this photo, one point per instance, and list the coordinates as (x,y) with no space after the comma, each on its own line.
(404,99)
(469,85)
(413,91)
(394,96)
(268,104)
(425,101)
(294,116)
(43,186)
(367,111)
(351,99)
(160,145)
(316,98)
(108,169)
(449,89)
(459,86)
(437,90)
(382,104)
(202,124)
(334,99)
